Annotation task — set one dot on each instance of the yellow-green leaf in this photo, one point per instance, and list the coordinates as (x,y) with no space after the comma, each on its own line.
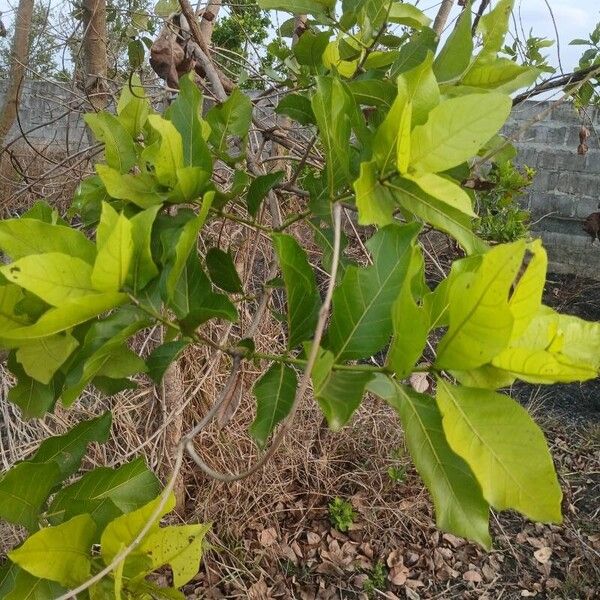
(180,547)
(55,277)
(505,449)
(480,319)
(114,257)
(446,190)
(61,553)
(456,129)
(43,357)
(459,504)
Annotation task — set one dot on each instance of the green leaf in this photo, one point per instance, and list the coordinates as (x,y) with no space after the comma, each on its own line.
(338,393)
(303,299)
(439,214)
(34,399)
(456,129)
(142,190)
(10,296)
(222,271)
(553,348)
(410,322)
(296,107)
(194,301)
(310,48)
(180,547)
(67,450)
(124,529)
(375,202)
(165,156)
(128,487)
(55,277)
(22,237)
(373,92)
(231,118)
(275,392)
(161,357)
(259,188)
(185,113)
(68,315)
(480,319)
(178,251)
(61,553)
(446,190)
(407,14)
(114,257)
(500,74)
(331,106)
(459,505)
(28,587)
(103,339)
(314,7)
(42,211)
(135,53)
(119,148)
(41,358)
(493,433)
(142,269)
(454,58)
(526,298)
(361,322)
(24,490)
(122,362)
(493,27)
(133,107)
(191,183)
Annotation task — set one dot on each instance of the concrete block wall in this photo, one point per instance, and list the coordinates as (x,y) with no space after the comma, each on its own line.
(566,188)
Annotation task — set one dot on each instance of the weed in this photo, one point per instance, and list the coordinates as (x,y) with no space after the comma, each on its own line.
(341,514)
(377,579)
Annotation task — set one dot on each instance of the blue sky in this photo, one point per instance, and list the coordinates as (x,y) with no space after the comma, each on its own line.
(574,18)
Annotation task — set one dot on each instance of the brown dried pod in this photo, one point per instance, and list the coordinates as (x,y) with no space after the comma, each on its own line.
(591,225)
(584,134)
(582,149)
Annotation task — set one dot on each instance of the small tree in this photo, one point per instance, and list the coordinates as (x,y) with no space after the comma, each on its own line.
(395,125)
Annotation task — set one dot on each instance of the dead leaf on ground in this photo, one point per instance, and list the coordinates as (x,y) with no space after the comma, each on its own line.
(543,554)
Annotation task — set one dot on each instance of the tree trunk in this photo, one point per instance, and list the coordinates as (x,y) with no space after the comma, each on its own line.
(95,61)
(442,16)
(18,62)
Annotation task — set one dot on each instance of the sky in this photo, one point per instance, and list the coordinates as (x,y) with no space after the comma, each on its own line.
(574,19)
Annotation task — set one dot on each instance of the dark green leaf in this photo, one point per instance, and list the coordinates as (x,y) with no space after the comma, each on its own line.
(259,188)
(195,302)
(303,300)
(361,322)
(275,392)
(24,490)
(297,107)
(310,47)
(67,450)
(185,113)
(128,487)
(231,118)
(455,56)
(338,393)
(222,271)
(158,362)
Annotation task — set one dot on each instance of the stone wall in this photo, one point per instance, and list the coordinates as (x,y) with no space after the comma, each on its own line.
(565,191)
(566,188)
(45,116)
